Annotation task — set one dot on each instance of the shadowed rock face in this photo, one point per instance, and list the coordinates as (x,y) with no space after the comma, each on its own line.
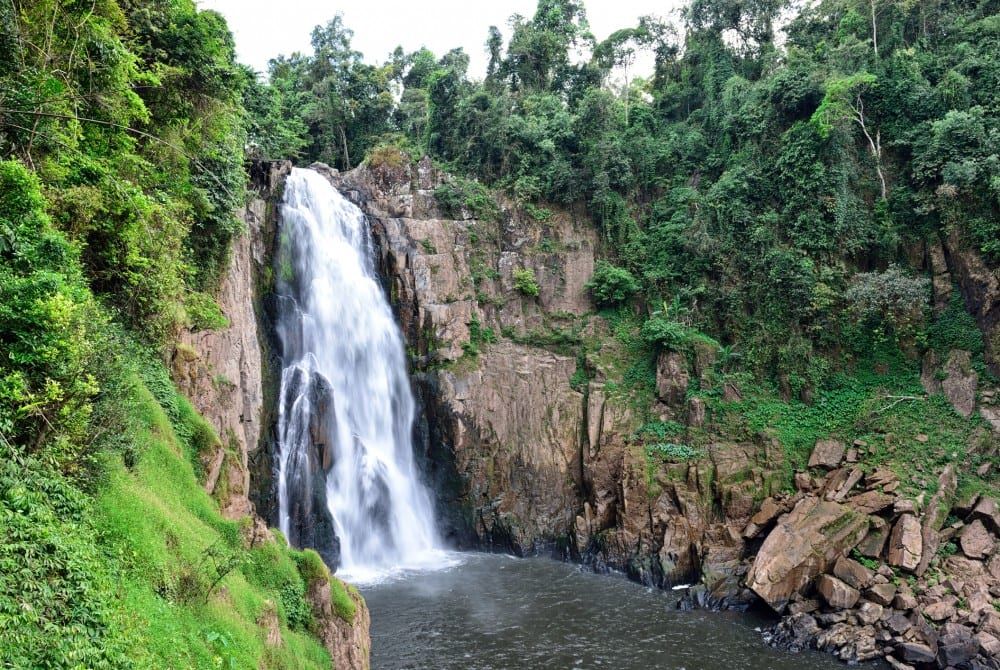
(309,524)
(981,290)
(223,371)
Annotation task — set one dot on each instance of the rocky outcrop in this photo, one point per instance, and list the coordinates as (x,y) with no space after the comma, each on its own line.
(805,544)
(980,287)
(514,425)
(221,370)
(960,382)
(504,425)
(344,634)
(941,616)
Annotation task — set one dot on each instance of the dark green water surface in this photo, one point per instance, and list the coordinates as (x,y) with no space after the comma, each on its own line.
(494,612)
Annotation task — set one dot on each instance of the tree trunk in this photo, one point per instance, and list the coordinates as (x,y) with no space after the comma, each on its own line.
(343,141)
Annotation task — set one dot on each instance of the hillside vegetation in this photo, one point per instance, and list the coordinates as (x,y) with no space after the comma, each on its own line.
(771,194)
(121,167)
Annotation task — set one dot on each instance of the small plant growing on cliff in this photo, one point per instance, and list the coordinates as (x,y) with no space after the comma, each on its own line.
(457,194)
(203,313)
(525,282)
(869,563)
(670,451)
(892,300)
(611,285)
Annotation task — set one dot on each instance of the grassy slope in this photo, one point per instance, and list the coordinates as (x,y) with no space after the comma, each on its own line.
(169,537)
(122,578)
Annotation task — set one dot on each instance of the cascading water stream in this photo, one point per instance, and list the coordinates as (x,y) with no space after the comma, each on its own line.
(347,483)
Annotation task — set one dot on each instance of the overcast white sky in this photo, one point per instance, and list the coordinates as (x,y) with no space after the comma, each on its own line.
(266,28)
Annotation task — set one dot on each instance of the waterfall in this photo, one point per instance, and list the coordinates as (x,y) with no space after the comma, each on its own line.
(347,483)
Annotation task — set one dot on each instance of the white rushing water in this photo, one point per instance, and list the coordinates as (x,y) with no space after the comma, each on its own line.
(346,409)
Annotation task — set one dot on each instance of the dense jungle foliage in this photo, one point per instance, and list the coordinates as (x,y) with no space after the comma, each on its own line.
(122,139)
(745,182)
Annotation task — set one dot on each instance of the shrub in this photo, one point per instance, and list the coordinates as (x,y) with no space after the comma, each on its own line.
(611,285)
(892,298)
(203,313)
(49,326)
(525,282)
(666,333)
(459,194)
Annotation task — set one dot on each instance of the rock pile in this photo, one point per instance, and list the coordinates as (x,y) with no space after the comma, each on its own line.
(862,572)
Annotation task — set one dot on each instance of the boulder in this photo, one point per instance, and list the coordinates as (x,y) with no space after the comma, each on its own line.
(803,482)
(906,543)
(896,664)
(874,543)
(882,593)
(935,516)
(768,512)
(940,611)
(853,477)
(803,544)
(852,573)
(869,613)
(871,502)
(898,623)
(672,378)
(988,644)
(988,510)
(976,541)
(827,454)
(979,601)
(805,606)
(960,382)
(696,413)
(954,650)
(836,593)
(881,478)
(915,652)
(795,633)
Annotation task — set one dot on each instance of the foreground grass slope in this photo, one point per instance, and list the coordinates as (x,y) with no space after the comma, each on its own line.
(145,573)
(111,553)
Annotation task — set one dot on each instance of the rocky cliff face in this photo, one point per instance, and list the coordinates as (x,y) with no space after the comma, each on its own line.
(527,453)
(222,371)
(230,375)
(530,449)
(980,286)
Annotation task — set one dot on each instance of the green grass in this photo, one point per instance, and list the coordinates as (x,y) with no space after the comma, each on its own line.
(145,572)
(161,524)
(884,410)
